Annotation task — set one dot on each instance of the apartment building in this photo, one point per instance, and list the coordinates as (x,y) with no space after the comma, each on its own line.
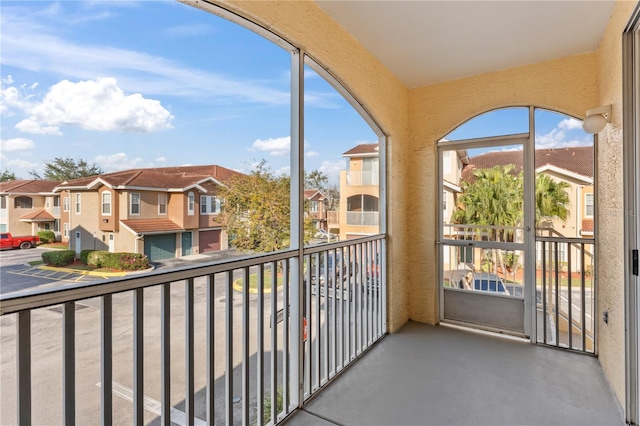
(359,213)
(162,212)
(29,206)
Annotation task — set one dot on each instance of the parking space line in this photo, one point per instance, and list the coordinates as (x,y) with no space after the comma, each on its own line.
(152,405)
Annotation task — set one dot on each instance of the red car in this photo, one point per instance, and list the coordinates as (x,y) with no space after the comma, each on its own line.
(7,241)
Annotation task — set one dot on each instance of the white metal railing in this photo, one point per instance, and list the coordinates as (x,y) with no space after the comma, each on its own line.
(370,178)
(252,341)
(363,218)
(566,292)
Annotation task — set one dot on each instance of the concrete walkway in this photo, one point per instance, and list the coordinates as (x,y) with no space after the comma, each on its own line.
(438,375)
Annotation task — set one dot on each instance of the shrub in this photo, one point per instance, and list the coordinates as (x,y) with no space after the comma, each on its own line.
(126,261)
(47,236)
(84,256)
(97,258)
(58,257)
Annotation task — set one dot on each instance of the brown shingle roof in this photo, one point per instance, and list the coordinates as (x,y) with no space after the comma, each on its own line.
(159,177)
(587,225)
(28,186)
(362,149)
(577,160)
(150,226)
(38,216)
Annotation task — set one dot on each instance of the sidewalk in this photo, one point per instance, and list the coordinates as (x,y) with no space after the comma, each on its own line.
(216,256)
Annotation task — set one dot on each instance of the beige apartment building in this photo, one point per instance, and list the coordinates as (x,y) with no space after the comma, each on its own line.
(359,213)
(29,206)
(161,212)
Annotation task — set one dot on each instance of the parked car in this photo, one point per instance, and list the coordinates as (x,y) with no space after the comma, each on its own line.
(8,241)
(482,281)
(321,234)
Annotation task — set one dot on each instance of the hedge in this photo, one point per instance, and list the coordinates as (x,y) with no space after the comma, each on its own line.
(47,236)
(59,257)
(84,255)
(119,261)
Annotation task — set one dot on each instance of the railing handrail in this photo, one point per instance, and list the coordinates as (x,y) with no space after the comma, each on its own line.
(15,302)
(570,240)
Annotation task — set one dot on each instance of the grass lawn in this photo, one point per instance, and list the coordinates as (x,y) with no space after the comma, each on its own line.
(253,282)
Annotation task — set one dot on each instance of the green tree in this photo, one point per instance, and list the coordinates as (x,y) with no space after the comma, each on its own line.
(65,168)
(320,181)
(551,199)
(7,176)
(257,209)
(492,199)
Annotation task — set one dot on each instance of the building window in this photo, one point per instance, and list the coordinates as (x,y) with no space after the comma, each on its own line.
(446,162)
(588,205)
(65,204)
(3,202)
(106,203)
(313,207)
(162,204)
(23,203)
(444,200)
(209,204)
(65,230)
(78,203)
(56,225)
(135,204)
(191,204)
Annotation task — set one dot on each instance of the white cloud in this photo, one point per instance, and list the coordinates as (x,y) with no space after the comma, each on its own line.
(22,164)
(8,79)
(570,124)
(16,144)
(332,169)
(98,105)
(567,133)
(557,138)
(161,160)
(29,125)
(312,154)
(275,146)
(116,162)
(285,170)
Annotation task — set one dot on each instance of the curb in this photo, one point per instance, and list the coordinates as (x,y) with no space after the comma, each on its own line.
(94,273)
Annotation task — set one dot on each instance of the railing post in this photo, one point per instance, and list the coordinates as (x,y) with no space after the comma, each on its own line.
(69,364)
(106,360)
(23,364)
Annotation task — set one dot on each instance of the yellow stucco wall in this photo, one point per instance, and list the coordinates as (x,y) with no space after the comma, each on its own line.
(609,202)
(386,99)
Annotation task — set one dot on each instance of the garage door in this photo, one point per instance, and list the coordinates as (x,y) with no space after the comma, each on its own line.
(209,241)
(158,247)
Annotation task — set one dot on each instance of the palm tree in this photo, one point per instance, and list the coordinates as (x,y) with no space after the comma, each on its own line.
(492,202)
(551,199)
(493,198)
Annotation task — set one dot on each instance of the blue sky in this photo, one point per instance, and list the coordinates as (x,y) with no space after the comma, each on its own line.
(157,83)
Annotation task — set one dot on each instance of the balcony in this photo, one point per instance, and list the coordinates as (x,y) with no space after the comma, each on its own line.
(371,178)
(363,218)
(197,345)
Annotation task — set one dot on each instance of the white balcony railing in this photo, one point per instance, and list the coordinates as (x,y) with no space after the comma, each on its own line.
(252,347)
(363,218)
(363,178)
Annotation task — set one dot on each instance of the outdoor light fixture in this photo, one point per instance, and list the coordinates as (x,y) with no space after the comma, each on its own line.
(596,119)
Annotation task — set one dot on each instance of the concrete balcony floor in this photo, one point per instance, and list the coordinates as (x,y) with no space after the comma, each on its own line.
(438,375)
